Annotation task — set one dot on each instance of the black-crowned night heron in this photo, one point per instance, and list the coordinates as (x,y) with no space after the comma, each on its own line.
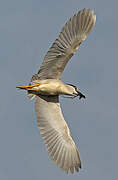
(46,87)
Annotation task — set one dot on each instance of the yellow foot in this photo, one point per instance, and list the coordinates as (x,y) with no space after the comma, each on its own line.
(29,87)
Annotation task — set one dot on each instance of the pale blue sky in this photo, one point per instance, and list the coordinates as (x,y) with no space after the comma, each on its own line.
(27,29)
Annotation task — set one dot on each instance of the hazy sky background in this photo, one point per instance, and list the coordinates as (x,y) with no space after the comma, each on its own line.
(27,30)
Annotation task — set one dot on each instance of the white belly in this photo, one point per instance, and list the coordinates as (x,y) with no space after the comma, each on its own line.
(50,87)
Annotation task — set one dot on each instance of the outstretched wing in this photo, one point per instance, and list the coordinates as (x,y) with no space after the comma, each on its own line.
(73,33)
(55,132)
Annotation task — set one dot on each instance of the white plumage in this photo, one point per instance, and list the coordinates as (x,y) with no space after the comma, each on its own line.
(56,133)
(46,87)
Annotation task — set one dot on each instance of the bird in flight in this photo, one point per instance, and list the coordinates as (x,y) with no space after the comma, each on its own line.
(46,86)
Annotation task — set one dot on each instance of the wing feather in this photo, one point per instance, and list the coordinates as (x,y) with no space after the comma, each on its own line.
(73,33)
(55,132)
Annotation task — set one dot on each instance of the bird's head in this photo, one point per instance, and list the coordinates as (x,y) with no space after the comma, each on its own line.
(75,92)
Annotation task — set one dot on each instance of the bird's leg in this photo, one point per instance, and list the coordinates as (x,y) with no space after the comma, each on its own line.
(28,87)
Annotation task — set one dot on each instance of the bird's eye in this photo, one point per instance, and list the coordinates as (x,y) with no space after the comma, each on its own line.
(76,89)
